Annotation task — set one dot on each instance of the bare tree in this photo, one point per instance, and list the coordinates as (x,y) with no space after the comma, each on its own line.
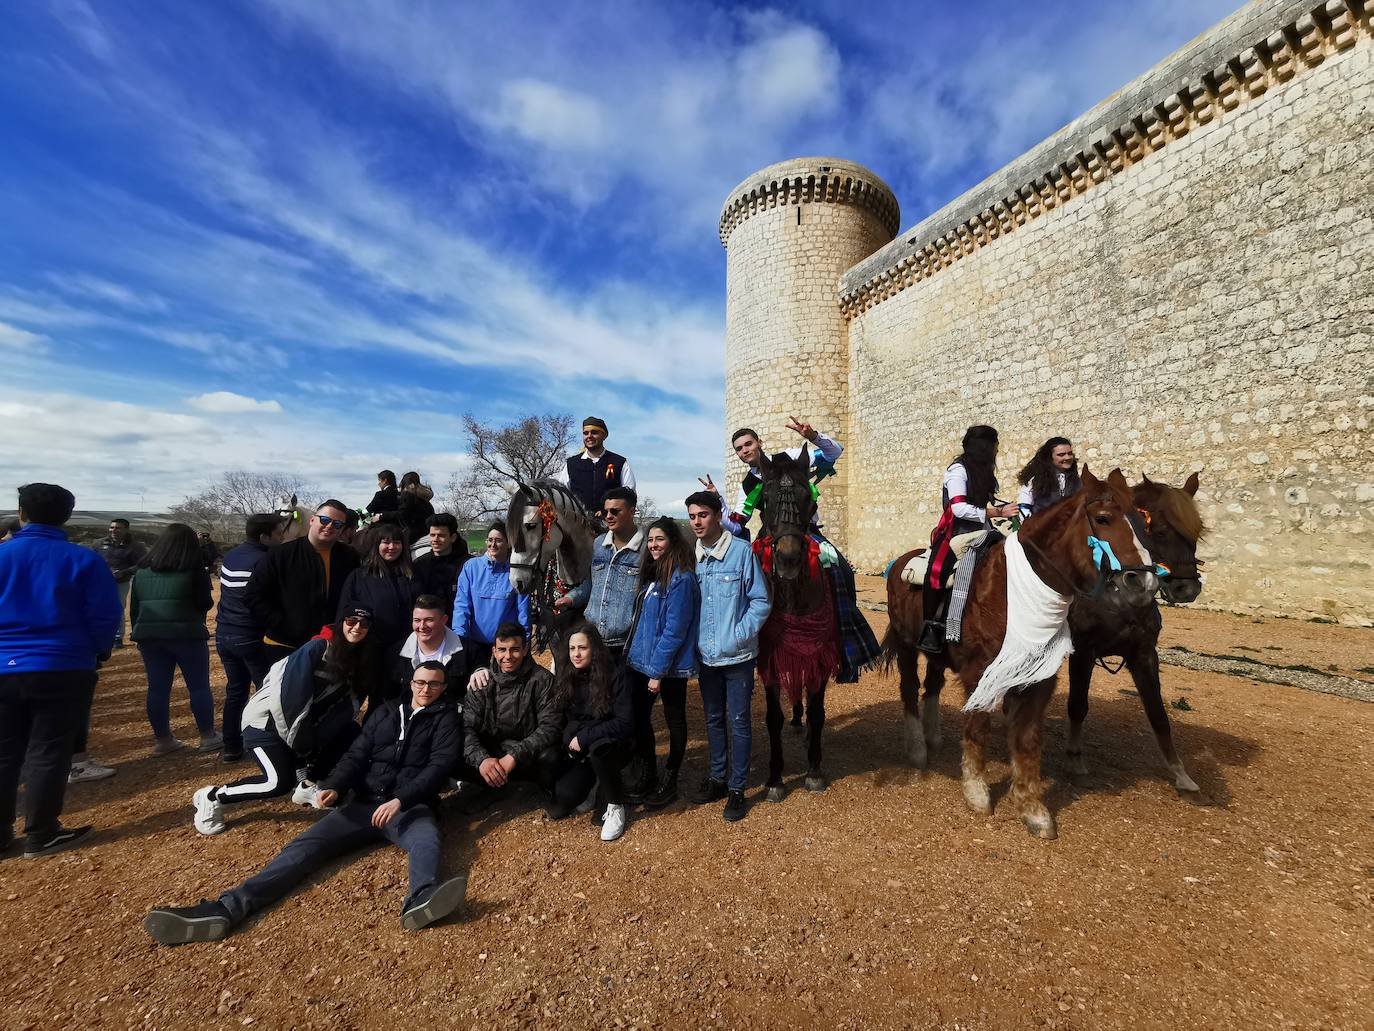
(222,506)
(502,456)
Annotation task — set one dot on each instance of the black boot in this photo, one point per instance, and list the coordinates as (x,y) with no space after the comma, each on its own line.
(932,639)
(666,793)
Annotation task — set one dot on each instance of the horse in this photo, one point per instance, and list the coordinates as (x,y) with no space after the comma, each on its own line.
(799,646)
(551,537)
(1058,550)
(1172,528)
(296,516)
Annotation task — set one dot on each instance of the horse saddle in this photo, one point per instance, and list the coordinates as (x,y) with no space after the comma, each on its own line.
(915,571)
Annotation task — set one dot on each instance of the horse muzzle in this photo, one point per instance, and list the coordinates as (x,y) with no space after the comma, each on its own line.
(1180,590)
(1136,585)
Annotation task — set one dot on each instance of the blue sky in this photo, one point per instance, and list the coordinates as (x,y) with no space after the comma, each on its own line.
(308,236)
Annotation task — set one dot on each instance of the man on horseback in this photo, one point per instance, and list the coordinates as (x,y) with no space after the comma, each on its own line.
(594,471)
(859,647)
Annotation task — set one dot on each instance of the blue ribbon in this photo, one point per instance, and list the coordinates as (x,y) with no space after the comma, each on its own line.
(1103,551)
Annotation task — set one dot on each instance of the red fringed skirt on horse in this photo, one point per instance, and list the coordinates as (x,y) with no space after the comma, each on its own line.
(800,653)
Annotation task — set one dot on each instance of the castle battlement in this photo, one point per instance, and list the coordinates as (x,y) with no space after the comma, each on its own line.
(810,181)
(1238,61)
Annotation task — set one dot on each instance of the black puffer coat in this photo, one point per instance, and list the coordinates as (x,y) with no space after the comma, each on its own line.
(403,753)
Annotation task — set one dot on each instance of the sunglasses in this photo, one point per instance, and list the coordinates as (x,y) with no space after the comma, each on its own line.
(331,521)
(615,511)
(356,621)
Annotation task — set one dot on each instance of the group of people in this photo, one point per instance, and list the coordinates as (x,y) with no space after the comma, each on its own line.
(365,682)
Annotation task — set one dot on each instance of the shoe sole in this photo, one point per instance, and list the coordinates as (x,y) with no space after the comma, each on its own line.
(169,929)
(735,817)
(86,778)
(446,898)
(54,849)
(211,830)
(614,837)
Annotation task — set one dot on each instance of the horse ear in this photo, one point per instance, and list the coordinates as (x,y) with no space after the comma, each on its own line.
(1088,479)
(1116,480)
(804,459)
(1144,478)
(764,461)
(1190,485)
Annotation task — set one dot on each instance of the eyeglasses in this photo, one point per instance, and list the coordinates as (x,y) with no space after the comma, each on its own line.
(331,521)
(426,683)
(356,621)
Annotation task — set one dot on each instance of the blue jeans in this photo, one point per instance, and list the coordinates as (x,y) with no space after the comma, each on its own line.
(245,664)
(344,829)
(160,660)
(729,689)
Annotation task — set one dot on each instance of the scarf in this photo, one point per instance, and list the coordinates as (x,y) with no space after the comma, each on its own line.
(1037,638)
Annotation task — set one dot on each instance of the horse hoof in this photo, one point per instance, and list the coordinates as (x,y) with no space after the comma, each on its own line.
(1185,785)
(1041,825)
(775,793)
(977,796)
(815,782)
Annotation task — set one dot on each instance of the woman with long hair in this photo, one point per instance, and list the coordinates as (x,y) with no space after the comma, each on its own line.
(303,717)
(168,600)
(1052,475)
(413,507)
(597,734)
(384,584)
(387,498)
(661,654)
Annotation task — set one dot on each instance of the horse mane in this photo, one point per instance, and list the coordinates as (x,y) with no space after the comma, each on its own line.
(1178,508)
(544,490)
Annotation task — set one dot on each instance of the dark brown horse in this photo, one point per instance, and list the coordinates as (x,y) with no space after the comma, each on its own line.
(799,647)
(1057,550)
(1101,628)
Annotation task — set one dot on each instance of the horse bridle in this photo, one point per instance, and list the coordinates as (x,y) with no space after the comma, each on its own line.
(1104,568)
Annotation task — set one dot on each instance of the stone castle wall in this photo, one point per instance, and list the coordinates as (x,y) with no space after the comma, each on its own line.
(1182,279)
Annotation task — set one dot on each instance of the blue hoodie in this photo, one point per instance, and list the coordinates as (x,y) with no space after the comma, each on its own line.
(59,606)
(485,599)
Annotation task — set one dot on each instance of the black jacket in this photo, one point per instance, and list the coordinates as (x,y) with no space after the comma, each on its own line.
(455,672)
(286,593)
(438,574)
(123,559)
(514,714)
(390,599)
(403,753)
(590,727)
(385,500)
(413,513)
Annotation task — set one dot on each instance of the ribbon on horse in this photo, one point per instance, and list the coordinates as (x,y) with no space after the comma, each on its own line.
(800,653)
(548,515)
(766,548)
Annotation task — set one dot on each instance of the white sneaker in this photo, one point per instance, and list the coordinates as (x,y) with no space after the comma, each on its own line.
(211,742)
(306,794)
(167,745)
(89,769)
(209,811)
(613,823)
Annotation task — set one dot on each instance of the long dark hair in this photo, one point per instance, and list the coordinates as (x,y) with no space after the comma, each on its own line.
(349,663)
(979,459)
(1041,469)
(598,679)
(176,551)
(373,563)
(681,554)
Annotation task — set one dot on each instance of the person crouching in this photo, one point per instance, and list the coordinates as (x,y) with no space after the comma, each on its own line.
(303,718)
(396,768)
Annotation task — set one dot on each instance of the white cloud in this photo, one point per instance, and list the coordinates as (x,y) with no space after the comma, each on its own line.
(21,339)
(225,402)
(95,288)
(544,113)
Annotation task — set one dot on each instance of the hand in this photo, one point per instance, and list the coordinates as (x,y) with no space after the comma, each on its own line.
(507,763)
(386,812)
(1010,509)
(326,798)
(654,684)
(492,772)
(709,484)
(574,746)
(804,428)
(560,604)
(479,679)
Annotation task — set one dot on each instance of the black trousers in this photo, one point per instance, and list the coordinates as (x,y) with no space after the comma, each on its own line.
(478,653)
(673,691)
(245,665)
(278,764)
(41,716)
(576,776)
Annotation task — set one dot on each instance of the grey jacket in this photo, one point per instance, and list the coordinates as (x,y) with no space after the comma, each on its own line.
(514,714)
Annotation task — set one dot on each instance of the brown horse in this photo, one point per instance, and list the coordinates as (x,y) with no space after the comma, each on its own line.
(1172,527)
(799,647)
(1057,550)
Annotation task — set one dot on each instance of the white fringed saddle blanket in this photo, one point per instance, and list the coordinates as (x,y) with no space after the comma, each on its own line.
(1037,638)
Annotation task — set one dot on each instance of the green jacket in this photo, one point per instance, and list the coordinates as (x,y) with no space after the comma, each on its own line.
(169,606)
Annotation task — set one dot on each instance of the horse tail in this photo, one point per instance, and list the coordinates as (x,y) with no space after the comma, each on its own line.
(887,651)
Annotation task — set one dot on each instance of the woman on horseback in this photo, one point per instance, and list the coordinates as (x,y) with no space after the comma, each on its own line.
(968,502)
(1052,475)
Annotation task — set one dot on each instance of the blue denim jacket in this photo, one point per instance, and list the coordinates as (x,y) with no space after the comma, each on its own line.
(610,594)
(665,639)
(734,602)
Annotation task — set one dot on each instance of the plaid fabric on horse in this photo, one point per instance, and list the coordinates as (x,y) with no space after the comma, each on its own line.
(858,646)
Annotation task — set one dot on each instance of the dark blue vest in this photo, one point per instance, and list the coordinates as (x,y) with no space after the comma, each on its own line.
(591,480)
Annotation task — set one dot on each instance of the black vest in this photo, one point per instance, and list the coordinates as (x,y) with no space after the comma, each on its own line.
(591,480)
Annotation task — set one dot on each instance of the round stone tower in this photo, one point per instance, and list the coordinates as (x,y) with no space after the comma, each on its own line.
(790,231)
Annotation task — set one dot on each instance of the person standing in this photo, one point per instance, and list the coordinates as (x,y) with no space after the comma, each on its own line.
(593,471)
(296,589)
(437,571)
(387,498)
(485,599)
(167,606)
(608,596)
(238,635)
(734,605)
(662,654)
(59,610)
(122,553)
(210,555)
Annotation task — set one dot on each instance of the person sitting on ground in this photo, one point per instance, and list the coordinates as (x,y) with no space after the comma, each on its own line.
(122,552)
(593,471)
(395,769)
(387,498)
(296,589)
(1050,476)
(385,586)
(59,610)
(437,571)
(300,721)
(167,607)
(511,718)
(238,635)
(485,598)
(414,508)
(596,738)
(663,653)
(431,640)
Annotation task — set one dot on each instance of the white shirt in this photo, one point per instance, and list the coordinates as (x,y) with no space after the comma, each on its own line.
(412,650)
(1026,497)
(823,447)
(955,485)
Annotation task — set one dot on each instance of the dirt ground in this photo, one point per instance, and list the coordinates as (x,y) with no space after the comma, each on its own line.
(883,902)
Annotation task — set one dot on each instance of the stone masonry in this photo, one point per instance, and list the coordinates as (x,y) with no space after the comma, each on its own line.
(1181,279)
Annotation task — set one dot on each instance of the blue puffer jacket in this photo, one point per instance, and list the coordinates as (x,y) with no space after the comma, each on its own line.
(665,637)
